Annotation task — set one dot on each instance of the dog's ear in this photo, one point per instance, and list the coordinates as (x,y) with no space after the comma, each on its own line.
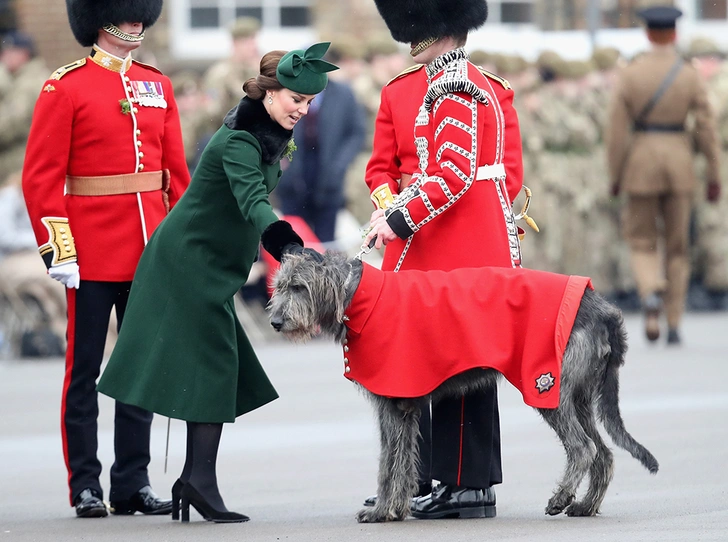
(314,255)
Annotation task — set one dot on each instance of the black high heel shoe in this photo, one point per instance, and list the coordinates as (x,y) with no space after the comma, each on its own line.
(189,495)
(176,491)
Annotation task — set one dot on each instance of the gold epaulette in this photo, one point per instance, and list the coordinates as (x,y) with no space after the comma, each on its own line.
(147,66)
(63,70)
(405,72)
(491,75)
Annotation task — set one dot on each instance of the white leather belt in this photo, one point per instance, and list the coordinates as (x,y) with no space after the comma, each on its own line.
(485,173)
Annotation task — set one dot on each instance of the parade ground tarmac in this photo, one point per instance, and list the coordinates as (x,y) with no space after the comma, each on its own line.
(301,466)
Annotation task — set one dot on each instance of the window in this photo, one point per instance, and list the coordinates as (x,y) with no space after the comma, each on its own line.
(516,12)
(294,16)
(210,14)
(204,17)
(575,14)
(511,11)
(255,12)
(712,9)
(200,27)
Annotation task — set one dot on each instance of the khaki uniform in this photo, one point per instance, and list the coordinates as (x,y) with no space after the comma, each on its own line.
(16,111)
(223,84)
(656,172)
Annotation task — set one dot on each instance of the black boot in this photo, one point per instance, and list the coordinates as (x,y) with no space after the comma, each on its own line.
(200,488)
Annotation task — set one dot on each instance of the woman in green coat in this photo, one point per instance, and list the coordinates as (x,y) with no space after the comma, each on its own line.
(182,351)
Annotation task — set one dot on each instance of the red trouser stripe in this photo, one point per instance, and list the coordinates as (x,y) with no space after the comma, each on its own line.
(71,338)
(462,429)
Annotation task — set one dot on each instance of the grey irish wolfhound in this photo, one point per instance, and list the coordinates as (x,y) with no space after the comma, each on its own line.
(311,297)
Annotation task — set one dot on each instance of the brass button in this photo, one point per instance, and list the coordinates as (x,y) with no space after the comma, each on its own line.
(64,236)
(346,349)
(141,167)
(62,230)
(67,243)
(141,154)
(346,360)
(68,249)
(126,78)
(138,132)
(348,369)
(346,341)
(138,143)
(135,110)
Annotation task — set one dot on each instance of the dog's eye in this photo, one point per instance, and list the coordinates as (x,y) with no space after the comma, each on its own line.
(297,287)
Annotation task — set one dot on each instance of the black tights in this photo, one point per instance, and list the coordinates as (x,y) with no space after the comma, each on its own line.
(203,441)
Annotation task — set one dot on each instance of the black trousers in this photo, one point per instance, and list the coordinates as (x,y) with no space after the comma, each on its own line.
(460,442)
(89,310)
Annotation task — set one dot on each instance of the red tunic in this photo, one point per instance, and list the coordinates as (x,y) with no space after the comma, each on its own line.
(473,232)
(79,129)
(517,321)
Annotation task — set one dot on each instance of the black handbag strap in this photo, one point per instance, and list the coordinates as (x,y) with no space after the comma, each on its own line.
(666,82)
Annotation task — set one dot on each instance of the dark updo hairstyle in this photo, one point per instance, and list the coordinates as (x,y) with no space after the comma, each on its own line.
(266,80)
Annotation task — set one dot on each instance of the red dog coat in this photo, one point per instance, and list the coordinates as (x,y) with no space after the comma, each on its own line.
(410,331)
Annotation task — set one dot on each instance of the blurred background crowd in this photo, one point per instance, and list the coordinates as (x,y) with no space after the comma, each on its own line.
(562,102)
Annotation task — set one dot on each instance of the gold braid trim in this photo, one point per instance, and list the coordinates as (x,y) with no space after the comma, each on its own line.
(491,75)
(60,240)
(411,69)
(63,70)
(382,196)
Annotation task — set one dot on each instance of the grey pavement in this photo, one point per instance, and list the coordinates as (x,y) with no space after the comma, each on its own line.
(301,466)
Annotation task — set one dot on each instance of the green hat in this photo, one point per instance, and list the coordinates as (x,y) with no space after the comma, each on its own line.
(305,71)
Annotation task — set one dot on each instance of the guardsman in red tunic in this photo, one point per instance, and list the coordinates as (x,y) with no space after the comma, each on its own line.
(103,164)
(446,166)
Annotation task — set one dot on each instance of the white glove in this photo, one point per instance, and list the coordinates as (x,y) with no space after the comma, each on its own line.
(67,274)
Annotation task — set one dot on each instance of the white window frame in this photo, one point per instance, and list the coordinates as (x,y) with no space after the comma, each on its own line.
(213,43)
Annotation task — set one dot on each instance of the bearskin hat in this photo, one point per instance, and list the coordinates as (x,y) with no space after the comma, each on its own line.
(411,21)
(88,16)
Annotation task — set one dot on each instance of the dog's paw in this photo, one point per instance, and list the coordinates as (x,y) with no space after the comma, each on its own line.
(374,515)
(581,509)
(558,503)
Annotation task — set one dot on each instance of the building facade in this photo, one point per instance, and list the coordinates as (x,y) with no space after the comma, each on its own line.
(195,31)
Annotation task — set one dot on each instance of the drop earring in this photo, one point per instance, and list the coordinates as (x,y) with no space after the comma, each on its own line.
(270,99)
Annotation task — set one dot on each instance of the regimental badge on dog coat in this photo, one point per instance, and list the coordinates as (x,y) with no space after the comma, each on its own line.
(410,331)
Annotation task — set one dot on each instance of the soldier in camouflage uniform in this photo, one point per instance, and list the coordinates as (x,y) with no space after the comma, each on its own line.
(710,251)
(193,106)
(24,73)
(384,60)
(223,81)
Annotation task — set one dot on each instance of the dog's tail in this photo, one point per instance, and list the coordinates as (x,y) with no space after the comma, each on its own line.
(609,397)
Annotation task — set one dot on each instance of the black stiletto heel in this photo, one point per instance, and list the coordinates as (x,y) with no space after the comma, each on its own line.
(176,490)
(190,495)
(185,508)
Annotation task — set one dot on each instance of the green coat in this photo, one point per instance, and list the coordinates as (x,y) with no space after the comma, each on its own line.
(181,351)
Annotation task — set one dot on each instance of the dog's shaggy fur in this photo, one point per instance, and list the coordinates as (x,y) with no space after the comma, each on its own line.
(311,297)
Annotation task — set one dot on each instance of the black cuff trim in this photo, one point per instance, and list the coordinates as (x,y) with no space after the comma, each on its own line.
(399,225)
(278,235)
(48,259)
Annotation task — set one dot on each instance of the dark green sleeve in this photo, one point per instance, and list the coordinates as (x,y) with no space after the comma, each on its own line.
(242,163)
